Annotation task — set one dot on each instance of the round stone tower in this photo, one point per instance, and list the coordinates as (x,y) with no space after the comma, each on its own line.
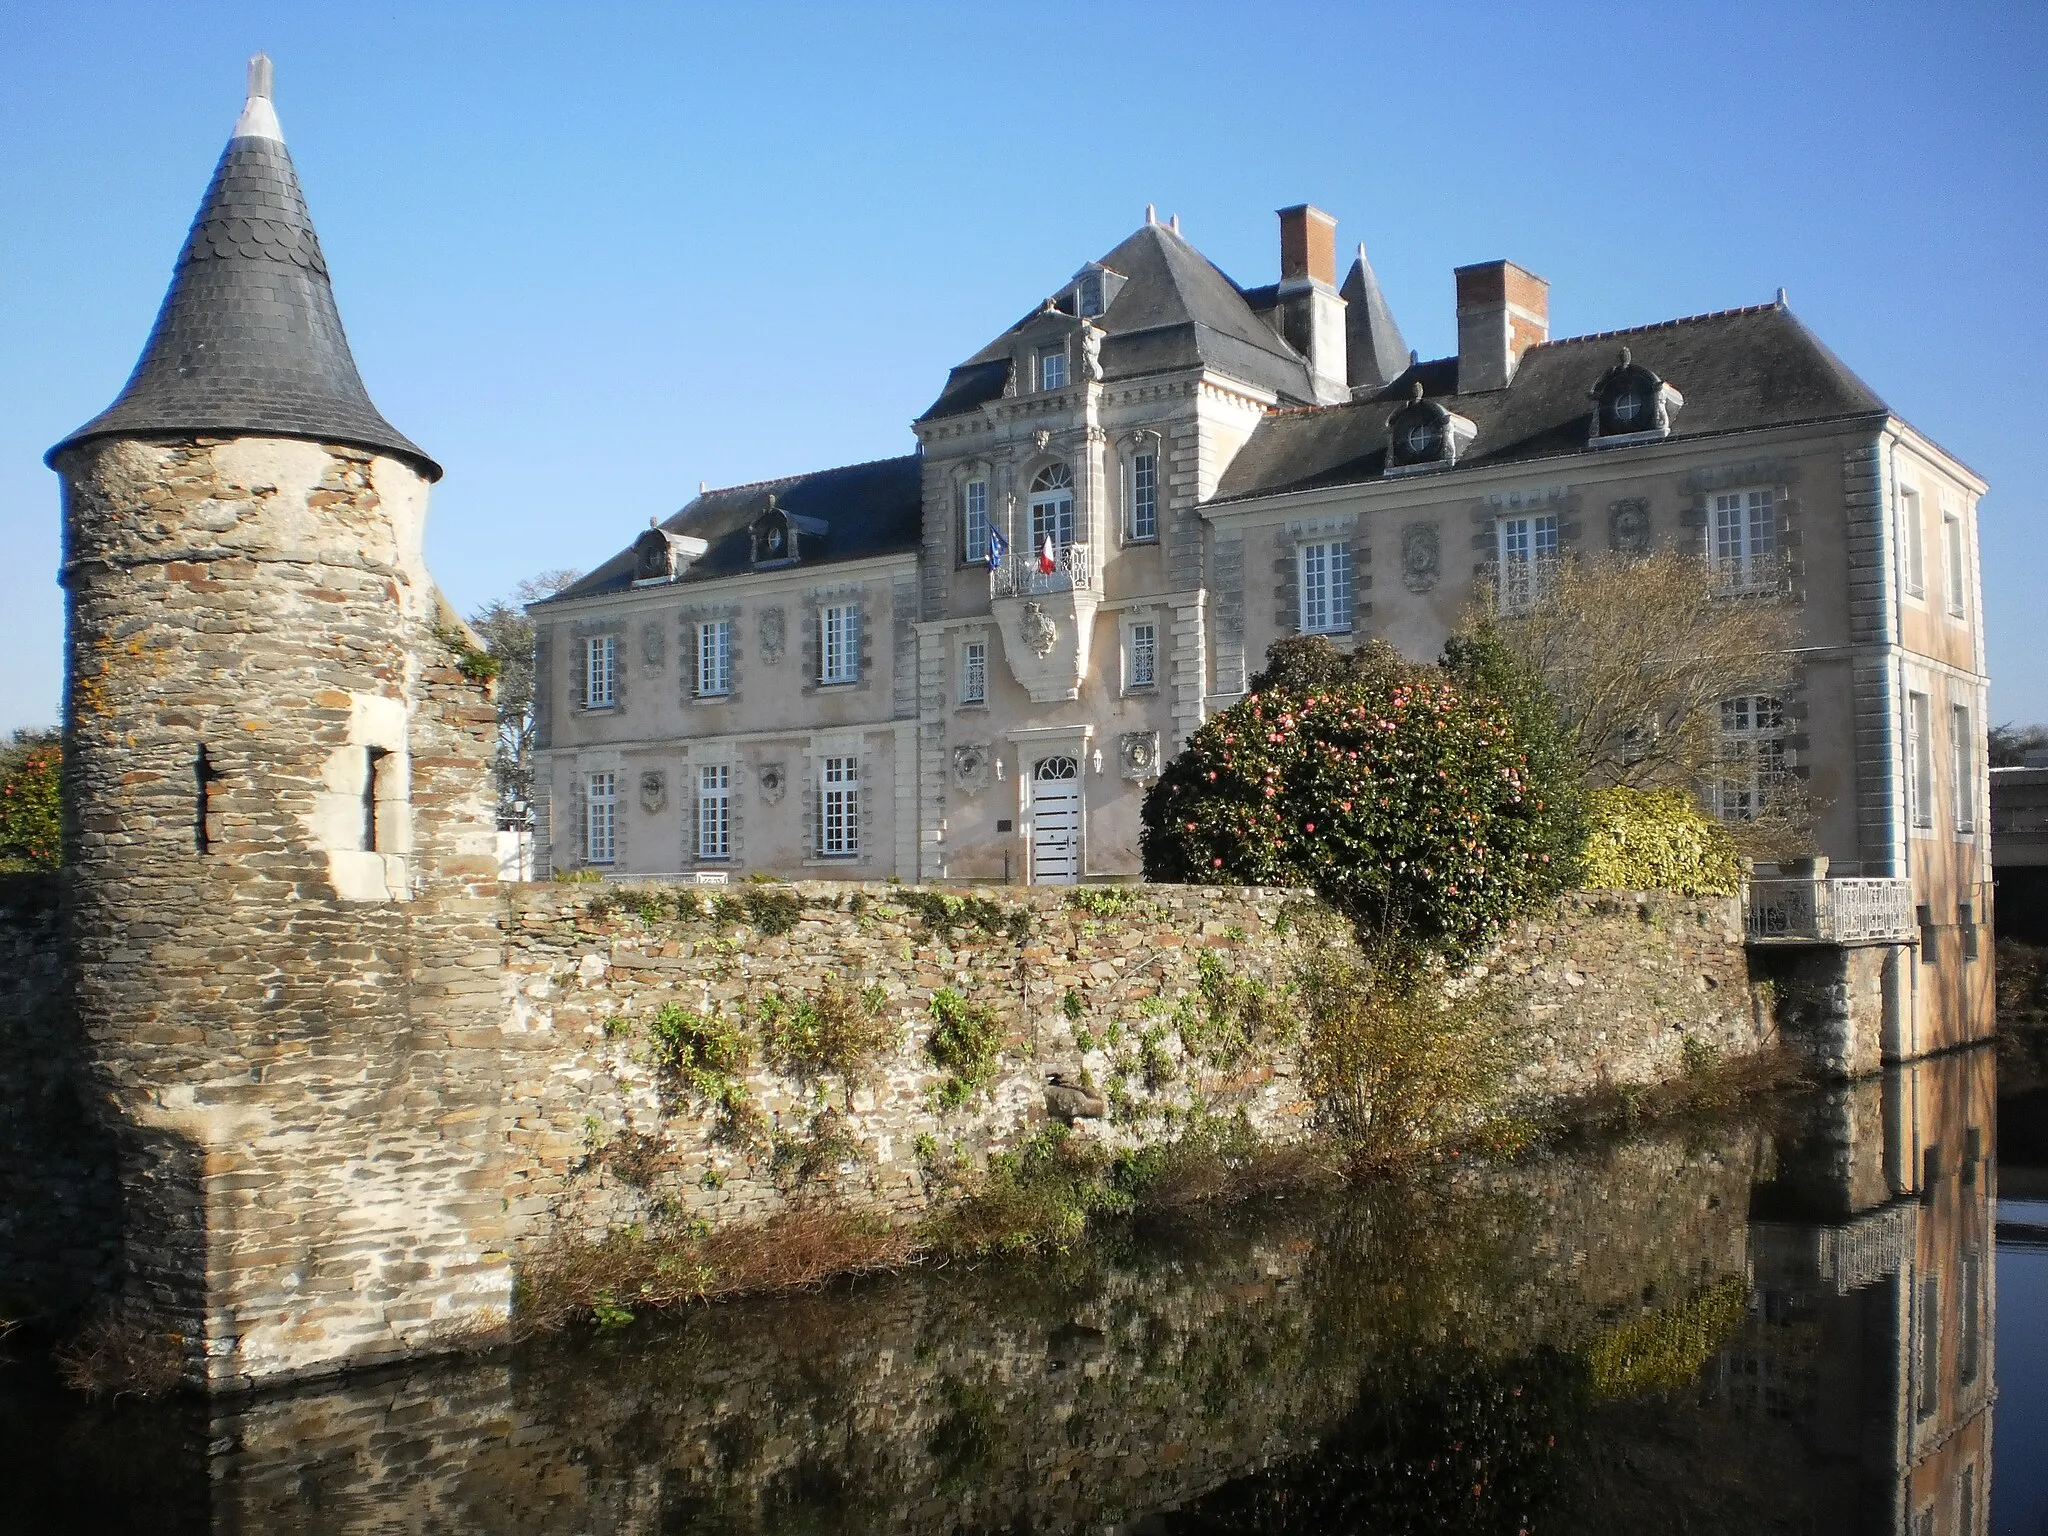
(280,853)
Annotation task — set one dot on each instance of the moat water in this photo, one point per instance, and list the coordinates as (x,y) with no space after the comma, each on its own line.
(1809,1319)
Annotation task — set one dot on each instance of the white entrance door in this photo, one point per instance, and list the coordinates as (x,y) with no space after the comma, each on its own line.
(1056,821)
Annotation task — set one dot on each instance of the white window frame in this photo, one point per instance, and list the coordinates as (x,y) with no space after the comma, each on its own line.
(1912,543)
(1742,535)
(974,523)
(1323,570)
(601,672)
(1752,755)
(1962,761)
(1955,567)
(1141,523)
(1919,761)
(839,806)
(1052,510)
(1525,550)
(714,658)
(974,671)
(1141,656)
(838,644)
(714,812)
(601,817)
(1052,368)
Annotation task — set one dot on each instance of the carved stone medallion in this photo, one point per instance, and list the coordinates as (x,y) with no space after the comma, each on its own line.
(1038,629)
(970,765)
(653,644)
(1421,556)
(1628,526)
(1138,754)
(772,781)
(771,635)
(653,791)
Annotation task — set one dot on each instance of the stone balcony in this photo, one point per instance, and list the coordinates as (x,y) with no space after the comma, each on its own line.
(1047,619)
(1801,906)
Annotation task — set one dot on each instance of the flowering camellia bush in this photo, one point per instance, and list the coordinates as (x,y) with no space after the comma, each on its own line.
(31,834)
(1403,798)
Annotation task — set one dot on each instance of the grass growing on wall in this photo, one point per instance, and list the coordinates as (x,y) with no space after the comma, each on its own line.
(838,1031)
(965,1043)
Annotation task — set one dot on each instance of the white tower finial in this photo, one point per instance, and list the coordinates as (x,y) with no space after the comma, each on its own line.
(259,117)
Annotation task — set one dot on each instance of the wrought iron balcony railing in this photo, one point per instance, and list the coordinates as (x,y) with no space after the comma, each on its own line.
(1822,911)
(1019,576)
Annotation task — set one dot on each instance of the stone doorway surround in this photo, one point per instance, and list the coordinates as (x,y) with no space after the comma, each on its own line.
(1032,745)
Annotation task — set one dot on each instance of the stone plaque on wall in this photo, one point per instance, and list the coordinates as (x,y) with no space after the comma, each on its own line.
(1421,556)
(653,645)
(1628,526)
(773,781)
(653,791)
(771,635)
(1137,754)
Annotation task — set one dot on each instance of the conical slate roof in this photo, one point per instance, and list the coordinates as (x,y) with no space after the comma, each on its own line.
(248,342)
(1375,351)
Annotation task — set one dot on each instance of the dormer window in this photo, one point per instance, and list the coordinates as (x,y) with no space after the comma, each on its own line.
(1423,434)
(1088,294)
(1052,368)
(1631,404)
(779,536)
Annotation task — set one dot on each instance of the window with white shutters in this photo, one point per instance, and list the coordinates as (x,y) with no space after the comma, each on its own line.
(839,808)
(839,645)
(601,818)
(600,672)
(714,658)
(714,811)
(1920,759)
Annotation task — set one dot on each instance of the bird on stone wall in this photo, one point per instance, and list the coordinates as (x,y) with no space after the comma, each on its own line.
(1070,1101)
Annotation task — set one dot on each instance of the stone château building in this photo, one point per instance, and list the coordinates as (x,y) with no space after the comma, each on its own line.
(969,662)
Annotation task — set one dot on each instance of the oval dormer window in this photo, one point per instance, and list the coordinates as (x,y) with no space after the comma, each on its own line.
(1421,439)
(1630,400)
(1628,408)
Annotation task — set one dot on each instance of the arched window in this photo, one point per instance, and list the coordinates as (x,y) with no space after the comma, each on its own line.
(1052,507)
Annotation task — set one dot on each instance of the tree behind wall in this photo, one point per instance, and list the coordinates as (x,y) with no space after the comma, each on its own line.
(31,820)
(507,634)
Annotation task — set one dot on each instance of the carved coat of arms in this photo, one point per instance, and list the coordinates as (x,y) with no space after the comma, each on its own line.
(1038,629)
(772,781)
(1421,556)
(970,765)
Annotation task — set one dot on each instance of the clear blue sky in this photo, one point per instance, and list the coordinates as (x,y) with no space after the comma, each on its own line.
(590,255)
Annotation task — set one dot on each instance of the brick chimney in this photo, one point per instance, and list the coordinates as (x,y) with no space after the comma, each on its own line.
(1503,311)
(1311,310)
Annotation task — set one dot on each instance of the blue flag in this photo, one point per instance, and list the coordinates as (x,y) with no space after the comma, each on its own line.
(997,547)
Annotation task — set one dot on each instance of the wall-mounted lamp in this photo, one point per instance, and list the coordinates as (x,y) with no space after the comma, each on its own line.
(999,770)
(1098,759)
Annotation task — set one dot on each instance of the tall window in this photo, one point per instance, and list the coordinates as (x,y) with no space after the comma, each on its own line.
(1912,543)
(1752,755)
(839,808)
(1929,1394)
(974,522)
(1920,759)
(601,818)
(1325,588)
(1052,369)
(1052,507)
(839,645)
(974,672)
(600,672)
(1145,496)
(1745,539)
(1527,549)
(1962,750)
(1088,294)
(1141,656)
(714,811)
(1954,564)
(714,658)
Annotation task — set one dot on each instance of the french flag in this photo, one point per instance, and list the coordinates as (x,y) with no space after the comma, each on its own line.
(1048,561)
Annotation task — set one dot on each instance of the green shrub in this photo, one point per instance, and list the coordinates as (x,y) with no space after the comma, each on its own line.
(940,912)
(1038,1196)
(31,816)
(703,1056)
(578,877)
(1657,840)
(836,1032)
(965,1042)
(1403,798)
(1103,900)
(773,912)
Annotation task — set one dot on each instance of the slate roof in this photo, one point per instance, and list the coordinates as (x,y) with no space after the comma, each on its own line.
(1739,370)
(1175,310)
(869,509)
(248,341)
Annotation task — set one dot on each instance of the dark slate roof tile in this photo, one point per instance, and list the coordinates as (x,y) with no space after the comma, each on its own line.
(868,509)
(248,341)
(1739,370)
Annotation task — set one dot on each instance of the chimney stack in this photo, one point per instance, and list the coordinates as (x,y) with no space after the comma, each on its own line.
(1503,311)
(1311,311)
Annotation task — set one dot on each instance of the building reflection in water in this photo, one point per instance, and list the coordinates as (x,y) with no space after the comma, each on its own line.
(1869,1336)
(1783,1327)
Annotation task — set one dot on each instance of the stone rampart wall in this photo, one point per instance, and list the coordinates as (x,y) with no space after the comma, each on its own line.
(1118,982)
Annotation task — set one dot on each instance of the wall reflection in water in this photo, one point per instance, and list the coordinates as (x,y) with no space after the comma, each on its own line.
(1776,1326)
